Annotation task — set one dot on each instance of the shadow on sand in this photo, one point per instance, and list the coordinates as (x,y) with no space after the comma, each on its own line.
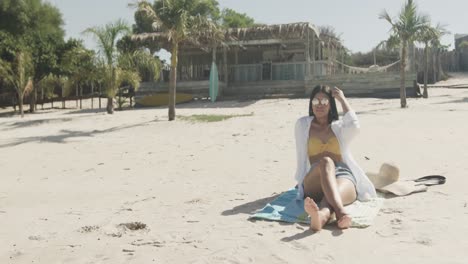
(463,100)
(64,135)
(206,104)
(250,207)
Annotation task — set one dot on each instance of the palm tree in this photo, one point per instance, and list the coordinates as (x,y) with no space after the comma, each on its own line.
(175,22)
(406,28)
(430,36)
(18,74)
(114,75)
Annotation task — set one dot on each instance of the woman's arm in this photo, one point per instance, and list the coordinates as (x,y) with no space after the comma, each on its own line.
(298,134)
(350,121)
(301,153)
(339,96)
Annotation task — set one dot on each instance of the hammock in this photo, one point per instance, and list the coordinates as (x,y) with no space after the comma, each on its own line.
(372,68)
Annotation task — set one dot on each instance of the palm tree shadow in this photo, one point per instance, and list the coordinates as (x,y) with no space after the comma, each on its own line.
(462,100)
(219,104)
(37,122)
(250,207)
(8,114)
(87,111)
(64,135)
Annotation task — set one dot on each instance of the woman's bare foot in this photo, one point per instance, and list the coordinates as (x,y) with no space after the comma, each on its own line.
(343,221)
(317,218)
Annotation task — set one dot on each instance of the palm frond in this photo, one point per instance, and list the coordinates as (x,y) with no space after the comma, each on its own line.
(107,36)
(127,77)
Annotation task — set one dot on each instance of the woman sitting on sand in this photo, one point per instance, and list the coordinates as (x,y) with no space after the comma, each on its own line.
(327,174)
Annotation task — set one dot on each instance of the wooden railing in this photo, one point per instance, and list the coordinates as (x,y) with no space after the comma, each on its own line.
(277,71)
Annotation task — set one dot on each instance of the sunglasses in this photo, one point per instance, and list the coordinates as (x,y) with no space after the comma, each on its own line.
(323,101)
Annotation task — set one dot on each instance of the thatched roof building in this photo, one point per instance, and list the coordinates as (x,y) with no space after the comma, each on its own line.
(250,54)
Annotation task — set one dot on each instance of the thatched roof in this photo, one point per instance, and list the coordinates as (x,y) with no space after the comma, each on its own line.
(279,31)
(236,36)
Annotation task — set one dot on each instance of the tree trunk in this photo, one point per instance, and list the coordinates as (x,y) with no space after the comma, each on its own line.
(92,95)
(375,61)
(42,98)
(32,103)
(434,65)
(426,69)
(120,99)
(225,73)
(172,81)
(20,104)
(402,76)
(81,96)
(100,87)
(15,101)
(63,99)
(110,105)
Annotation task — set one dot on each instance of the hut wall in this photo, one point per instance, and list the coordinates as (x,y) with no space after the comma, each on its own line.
(199,89)
(377,84)
(463,59)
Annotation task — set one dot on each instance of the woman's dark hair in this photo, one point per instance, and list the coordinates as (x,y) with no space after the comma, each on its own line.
(333,114)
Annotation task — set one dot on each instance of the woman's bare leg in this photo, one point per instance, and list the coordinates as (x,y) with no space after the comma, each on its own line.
(318,216)
(332,191)
(348,196)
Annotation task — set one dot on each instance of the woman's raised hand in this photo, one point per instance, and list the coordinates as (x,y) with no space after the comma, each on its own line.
(338,94)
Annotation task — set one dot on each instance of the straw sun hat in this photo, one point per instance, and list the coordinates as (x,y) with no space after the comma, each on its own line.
(387,180)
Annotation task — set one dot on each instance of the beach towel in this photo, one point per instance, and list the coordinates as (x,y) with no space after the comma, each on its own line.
(286,208)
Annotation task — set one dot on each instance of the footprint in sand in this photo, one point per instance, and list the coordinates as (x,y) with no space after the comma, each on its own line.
(89,229)
(133,226)
(424,241)
(396,223)
(153,243)
(37,238)
(391,211)
(395,227)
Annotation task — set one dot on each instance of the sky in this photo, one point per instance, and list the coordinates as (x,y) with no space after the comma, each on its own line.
(356,21)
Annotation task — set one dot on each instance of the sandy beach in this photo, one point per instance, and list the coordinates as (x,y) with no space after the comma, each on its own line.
(81,186)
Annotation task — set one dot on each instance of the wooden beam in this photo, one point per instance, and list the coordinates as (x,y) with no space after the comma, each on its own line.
(262,42)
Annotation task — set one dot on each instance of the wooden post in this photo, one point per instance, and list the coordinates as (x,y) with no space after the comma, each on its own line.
(342,60)
(313,53)
(434,79)
(236,56)
(225,71)
(307,55)
(330,57)
(320,50)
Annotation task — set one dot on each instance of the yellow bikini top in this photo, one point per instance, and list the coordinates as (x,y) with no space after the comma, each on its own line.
(316,146)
